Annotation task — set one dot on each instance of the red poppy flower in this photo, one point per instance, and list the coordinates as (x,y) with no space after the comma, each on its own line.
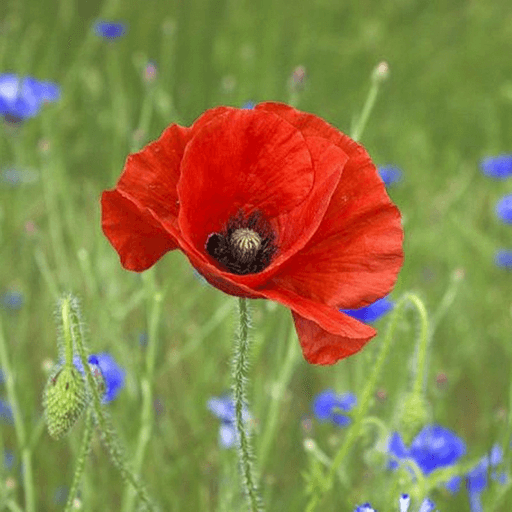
(266,203)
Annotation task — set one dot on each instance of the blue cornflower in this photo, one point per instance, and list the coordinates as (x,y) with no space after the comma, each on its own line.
(112,373)
(390,174)
(248,105)
(476,479)
(110,29)
(21,98)
(504,209)
(6,412)
(12,300)
(434,447)
(327,406)
(404,501)
(371,313)
(365,507)
(503,258)
(224,408)
(427,505)
(499,167)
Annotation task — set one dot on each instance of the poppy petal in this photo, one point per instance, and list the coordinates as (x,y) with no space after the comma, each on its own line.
(136,235)
(241,159)
(150,176)
(325,334)
(360,237)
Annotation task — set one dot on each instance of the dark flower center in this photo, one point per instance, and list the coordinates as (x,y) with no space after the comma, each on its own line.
(245,245)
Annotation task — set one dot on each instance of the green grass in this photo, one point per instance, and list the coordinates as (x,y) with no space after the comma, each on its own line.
(447,104)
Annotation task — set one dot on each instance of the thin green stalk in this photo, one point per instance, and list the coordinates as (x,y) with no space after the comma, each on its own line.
(80,465)
(19,427)
(278,389)
(355,429)
(147,412)
(422,354)
(379,74)
(239,369)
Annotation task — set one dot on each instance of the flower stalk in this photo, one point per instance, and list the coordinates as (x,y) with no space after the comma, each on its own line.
(19,427)
(239,368)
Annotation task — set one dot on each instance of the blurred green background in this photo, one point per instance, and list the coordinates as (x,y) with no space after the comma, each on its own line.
(446,105)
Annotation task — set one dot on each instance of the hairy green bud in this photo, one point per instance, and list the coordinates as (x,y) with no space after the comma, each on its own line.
(414,415)
(65,399)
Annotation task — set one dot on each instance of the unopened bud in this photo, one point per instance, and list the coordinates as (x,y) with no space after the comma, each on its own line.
(381,72)
(65,399)
(413,416)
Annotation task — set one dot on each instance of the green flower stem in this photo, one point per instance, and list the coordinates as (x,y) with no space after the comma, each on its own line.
(19,427)
(147,413)
(278,389)
(42,265)
(355,428)
(239,369)
(422,350)
(84,451)
(378,76)
(104,424)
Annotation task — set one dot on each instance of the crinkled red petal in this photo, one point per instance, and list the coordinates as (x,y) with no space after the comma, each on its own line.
(356,253)
(137,236)
(241,159)
(150,177)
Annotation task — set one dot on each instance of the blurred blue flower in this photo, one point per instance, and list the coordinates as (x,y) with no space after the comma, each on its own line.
(6,412)
(503,258)
(112,373)
(8,459)
(504,209)
(390,174)
(110,29)
(248,105)
(12,300)
(371,313)
(21,98)
(499,167)
(224,408)
(477,478)
(327,406)
(2,376)
(434,447)
(427,505)
(366,507)
(60,495)
(15,177)
(404,501)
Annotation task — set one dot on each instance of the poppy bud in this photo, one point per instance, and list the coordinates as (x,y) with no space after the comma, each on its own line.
(65,399)
(414,415)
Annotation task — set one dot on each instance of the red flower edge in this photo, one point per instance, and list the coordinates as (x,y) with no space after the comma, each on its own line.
(266,203)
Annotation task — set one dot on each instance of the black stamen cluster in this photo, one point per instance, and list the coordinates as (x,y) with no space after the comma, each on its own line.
(226,251)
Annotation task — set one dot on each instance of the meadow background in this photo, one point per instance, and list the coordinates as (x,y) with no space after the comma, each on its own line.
(447,104)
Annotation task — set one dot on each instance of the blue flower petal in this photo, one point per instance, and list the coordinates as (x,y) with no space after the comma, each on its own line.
(227,435)
(327,404)
(390,174)
(371,313)
(110,29)
(503,259)
(6,412)
(499,167)
(427,505)
(504,209)
(404,502)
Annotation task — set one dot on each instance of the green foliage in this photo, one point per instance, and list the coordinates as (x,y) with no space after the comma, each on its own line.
(445,105)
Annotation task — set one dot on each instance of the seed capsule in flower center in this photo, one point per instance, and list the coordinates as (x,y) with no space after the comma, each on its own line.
(246,244)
